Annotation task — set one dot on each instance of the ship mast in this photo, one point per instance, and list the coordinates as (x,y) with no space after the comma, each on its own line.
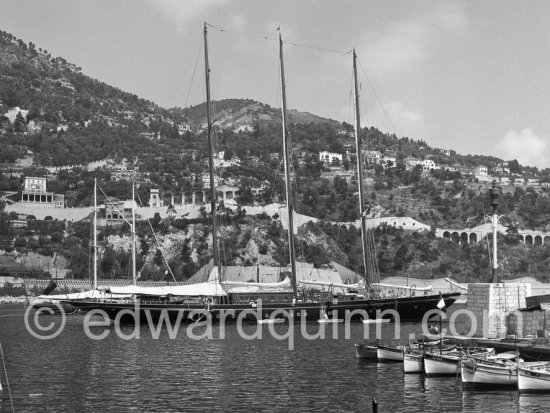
(360,169)
(287,160)
(94,285)
(134,278)
(211,158)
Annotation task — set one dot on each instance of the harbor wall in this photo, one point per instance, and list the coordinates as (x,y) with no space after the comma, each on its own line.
(528,324)
(491,304)
(75,285)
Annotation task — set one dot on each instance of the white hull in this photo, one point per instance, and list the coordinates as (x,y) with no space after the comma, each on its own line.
(330,320)
(376,321)
(413,363)
(389,354)
(271,321)
(364,351)
(485,374)
(534,379)
(441,365)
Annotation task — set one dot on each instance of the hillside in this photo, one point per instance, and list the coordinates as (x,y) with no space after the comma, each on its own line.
(53,93)
(74,129)
(245,115)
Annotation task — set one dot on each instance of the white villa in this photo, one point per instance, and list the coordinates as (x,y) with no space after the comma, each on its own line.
(330,157)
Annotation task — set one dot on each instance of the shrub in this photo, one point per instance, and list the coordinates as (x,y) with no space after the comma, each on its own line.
(56,237)
(20,242)
(33,244)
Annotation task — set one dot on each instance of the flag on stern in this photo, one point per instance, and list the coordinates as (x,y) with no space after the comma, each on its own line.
(441,303)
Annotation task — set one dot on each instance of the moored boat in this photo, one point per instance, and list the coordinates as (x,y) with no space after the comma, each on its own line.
(499,369)
(366,351)
(386,353)
(413,362)
(444,364)
(534,377)
(447,362)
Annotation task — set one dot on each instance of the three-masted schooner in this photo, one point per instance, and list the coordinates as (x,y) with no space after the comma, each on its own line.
(192,302)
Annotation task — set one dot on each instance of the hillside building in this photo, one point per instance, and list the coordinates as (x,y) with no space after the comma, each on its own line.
(118,211)
(330,157)
(428,164)
(411,162)
(154,199)
(501,168)
(34,191)
(481,170)
(12,114)
(199,196)
(372,157)
(388,161)
(183,128)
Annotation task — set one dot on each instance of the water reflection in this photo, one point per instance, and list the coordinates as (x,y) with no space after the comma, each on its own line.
(534,402)
(413,384)
(475,400)
(436,391)
(74,373)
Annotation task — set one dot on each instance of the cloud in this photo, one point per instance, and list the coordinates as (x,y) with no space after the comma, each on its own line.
(406,44)
(527,147)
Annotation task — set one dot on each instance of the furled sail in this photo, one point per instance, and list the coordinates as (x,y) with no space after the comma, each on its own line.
(45,299)
(189,290)
(404,287)
(357,286)
(252,287)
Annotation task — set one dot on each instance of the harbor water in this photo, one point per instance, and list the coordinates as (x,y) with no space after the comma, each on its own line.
(229,371)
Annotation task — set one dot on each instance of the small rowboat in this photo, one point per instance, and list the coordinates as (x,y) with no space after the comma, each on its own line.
(385,353)
(366,351)
(499,369)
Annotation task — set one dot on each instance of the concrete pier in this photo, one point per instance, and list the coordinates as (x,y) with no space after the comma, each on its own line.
(493,303)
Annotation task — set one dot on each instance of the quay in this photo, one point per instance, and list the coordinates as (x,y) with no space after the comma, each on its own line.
(530,349)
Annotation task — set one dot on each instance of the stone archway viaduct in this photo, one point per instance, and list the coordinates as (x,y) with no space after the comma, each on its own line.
(476,234)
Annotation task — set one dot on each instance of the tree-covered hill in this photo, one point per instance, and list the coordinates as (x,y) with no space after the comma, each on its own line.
(51,111)
(56,92)
(243,114)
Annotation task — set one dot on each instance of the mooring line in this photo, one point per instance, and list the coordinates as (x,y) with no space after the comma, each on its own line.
(7,380)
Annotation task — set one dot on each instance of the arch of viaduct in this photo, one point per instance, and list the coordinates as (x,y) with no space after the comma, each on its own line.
(467,235)
(198,197)
(473,235)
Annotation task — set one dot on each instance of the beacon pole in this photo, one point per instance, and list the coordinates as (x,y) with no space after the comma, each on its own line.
(494,194)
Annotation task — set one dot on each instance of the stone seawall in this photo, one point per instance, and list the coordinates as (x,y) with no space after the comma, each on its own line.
(491,304)
(77,285)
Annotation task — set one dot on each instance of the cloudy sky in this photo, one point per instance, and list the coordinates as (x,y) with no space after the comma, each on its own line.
(473,76)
